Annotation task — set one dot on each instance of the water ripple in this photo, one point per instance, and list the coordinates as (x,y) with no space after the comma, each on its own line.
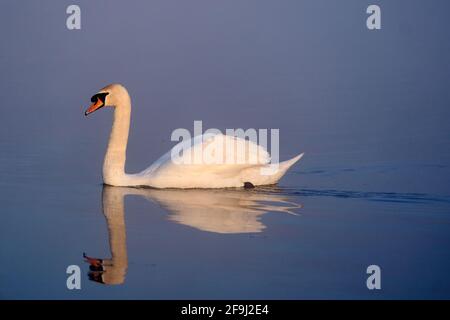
(397,197)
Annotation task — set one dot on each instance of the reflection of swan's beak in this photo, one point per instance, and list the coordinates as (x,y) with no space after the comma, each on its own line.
(96,269)
(106,271)
(96,263)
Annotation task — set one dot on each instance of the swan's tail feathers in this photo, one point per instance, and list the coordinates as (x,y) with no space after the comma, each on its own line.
(285,165)
(270,173)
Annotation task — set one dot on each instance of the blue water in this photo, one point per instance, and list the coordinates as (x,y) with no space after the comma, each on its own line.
(368,108)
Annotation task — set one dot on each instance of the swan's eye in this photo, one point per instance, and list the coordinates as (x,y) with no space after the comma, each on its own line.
(99,96)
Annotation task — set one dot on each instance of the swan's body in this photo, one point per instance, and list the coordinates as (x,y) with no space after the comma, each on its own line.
(165,173)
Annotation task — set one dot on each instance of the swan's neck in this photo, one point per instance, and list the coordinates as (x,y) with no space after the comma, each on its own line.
(114,163)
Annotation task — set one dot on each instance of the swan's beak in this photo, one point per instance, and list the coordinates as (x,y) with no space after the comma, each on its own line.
(94,262)
(95,106)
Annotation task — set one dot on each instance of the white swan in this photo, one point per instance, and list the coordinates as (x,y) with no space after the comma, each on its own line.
(165,173)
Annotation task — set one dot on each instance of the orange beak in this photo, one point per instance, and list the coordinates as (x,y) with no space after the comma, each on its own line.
(93,261)
(95,106)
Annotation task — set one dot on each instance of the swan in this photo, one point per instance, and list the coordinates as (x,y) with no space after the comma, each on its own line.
(166,173)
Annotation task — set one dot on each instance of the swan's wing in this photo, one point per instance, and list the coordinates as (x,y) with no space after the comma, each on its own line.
(205,158)
(212,150)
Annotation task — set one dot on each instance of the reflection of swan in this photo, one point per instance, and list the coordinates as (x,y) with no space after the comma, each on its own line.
(112,271)
(164,173)
(219,211)
(224,211)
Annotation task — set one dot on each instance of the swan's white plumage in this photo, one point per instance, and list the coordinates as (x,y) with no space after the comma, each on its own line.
(164,173)
(221,166)
(214,148)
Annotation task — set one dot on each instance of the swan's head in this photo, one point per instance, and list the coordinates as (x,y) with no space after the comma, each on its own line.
(109,96)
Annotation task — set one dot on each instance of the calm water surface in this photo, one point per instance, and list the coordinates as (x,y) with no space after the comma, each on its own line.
(369,109)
